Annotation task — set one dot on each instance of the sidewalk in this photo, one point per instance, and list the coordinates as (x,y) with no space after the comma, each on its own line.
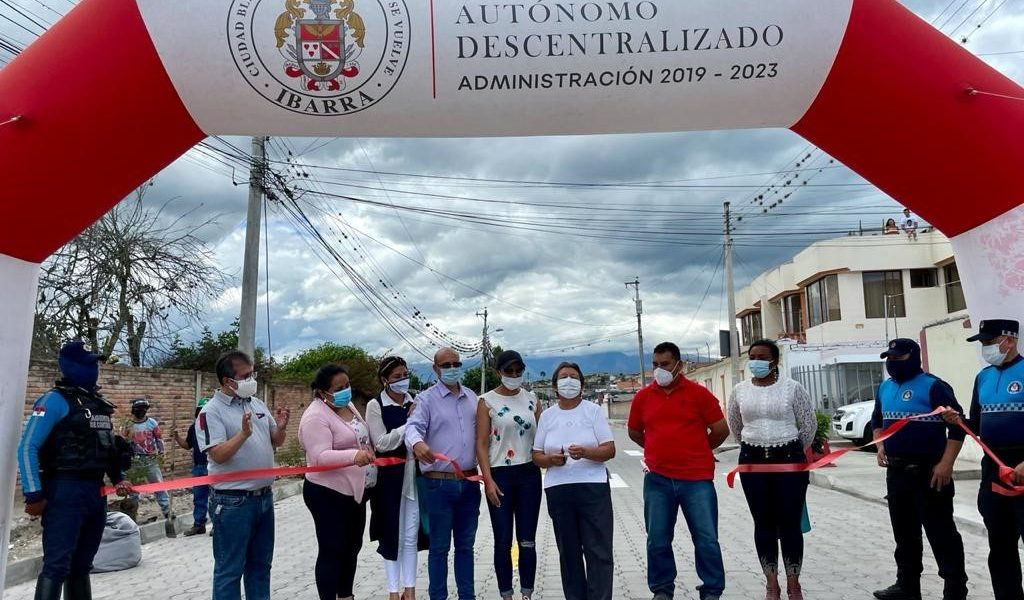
(857,474)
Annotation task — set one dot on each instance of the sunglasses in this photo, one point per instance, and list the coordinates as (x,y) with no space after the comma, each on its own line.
(450,365)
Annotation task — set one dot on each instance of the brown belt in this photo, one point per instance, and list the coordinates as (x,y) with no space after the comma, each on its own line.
(447,475)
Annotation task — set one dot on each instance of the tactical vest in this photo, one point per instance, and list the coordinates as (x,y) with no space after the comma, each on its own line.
(83,443)
(1001,396)
(924,437)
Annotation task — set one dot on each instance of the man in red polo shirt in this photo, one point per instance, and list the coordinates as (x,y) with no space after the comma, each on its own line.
(678,423)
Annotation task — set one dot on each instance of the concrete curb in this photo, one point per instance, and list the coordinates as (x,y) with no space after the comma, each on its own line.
(973,523)
(28,569)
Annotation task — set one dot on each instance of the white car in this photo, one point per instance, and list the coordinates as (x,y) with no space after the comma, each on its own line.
(853,422)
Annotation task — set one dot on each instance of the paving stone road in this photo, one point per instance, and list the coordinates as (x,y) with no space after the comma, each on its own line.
(849,552)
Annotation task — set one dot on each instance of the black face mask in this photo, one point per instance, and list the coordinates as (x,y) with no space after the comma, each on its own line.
(904,370)
(138,414)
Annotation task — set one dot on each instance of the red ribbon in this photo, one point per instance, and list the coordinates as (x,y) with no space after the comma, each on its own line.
(274,472)
(1005,473)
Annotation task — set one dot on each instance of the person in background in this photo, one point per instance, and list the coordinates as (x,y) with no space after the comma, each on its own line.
(67,446)
(200,493)
(909,224)
(772,417)
(997,415)
(394,506)
(919,473)
(238,432)
(679,423)
(444,421)
(573,442)
(147,446)
(332,432)
(891,228)
(506,424)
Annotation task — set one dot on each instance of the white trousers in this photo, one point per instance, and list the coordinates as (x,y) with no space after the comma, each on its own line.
(401,573)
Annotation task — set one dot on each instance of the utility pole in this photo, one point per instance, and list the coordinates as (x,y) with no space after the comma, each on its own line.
(639,327)
(734,346)
(483,355)
(251,260)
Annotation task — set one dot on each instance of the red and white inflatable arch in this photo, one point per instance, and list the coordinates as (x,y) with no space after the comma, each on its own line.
(120,88)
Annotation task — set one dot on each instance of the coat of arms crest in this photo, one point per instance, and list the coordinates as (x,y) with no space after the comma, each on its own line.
(322,49)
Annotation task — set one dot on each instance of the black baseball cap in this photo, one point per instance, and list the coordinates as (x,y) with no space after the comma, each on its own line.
(992,328)
(901,346)
(507,359)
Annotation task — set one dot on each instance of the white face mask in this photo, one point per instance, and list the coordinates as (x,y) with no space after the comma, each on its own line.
(512,383)
(993,355)
(400,387)
(663,377)
(245,388)
(569,388)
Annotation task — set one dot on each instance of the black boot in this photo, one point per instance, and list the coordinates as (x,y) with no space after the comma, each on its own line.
(899,591)
(77,588)
(47,589)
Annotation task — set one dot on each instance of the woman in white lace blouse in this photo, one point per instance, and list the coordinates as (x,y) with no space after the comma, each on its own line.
(772,417)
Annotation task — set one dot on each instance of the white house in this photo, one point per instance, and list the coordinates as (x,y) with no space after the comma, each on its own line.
(836,304)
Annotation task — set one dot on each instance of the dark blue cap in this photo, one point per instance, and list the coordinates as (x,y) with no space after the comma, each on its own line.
(990,329)
(507,359)
(79,366)
(901,346)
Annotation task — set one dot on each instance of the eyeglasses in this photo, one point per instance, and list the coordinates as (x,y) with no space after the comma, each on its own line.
(512,372)
(450,365)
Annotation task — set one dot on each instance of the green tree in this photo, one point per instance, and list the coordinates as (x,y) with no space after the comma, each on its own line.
(362,367)
(202,354)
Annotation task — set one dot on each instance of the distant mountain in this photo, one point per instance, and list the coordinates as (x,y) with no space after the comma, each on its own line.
(599,362)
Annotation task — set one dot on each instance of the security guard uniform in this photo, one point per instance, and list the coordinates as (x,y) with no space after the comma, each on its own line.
(66,448)
(997,415)
(912,455)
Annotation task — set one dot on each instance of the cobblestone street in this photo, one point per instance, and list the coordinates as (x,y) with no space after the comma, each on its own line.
(849,552)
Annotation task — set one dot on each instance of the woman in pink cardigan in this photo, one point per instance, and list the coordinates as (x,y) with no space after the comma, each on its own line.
(333,432)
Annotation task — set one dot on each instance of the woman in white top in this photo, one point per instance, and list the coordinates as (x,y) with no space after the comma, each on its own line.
(573,443)
(395,514)
(772,417)
(506,423)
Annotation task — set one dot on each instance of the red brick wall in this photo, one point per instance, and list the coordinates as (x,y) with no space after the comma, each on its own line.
(172,395)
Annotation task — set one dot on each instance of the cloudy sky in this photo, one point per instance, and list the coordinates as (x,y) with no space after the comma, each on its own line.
(542,231)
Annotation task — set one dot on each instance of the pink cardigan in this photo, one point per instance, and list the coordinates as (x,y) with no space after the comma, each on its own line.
(329,439)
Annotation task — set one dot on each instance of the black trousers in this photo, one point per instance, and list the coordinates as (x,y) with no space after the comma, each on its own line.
(1004,519)
(581,516)
(914,505)
(339,522)
(776,502)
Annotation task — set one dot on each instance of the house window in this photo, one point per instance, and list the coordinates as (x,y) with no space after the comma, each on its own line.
(924,278)
(883,294)
(954,289)
(792,314)
(823,301)
(750,327)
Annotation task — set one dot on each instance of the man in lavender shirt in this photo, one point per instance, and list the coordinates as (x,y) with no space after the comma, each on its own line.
(444,422)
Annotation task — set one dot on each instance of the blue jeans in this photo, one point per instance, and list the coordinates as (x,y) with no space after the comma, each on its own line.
(200,497)
(518,513)
(243,545)
(73,523)
(663,497)
(153,475)
(454,509)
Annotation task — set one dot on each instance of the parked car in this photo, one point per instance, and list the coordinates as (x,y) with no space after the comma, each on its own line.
(853,422)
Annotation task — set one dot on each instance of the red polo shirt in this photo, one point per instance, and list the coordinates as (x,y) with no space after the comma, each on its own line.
(675,427)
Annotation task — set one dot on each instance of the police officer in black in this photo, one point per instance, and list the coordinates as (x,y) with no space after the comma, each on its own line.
(997,415)
(919,470)
(66,448)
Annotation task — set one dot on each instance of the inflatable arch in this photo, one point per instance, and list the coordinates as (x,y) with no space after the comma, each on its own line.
(118,89)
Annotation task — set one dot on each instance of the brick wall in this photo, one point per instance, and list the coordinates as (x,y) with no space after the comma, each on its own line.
(172,395)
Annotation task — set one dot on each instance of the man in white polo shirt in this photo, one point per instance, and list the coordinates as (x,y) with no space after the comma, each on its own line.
(238,433)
